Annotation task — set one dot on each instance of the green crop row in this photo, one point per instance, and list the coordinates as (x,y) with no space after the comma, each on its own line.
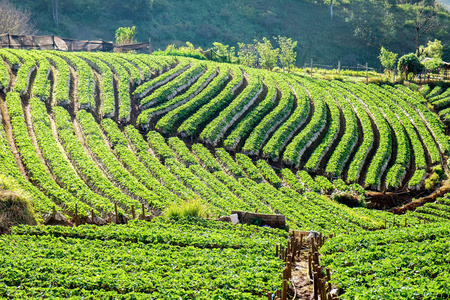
(295,121)
(216,129)
(167,122)
(169,90)
(251,122)
(167,106)
(216,104)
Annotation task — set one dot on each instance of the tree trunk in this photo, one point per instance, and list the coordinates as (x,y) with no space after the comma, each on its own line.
(55,12)
(331,10)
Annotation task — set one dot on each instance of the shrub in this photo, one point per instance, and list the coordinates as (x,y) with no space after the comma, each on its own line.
(190,209)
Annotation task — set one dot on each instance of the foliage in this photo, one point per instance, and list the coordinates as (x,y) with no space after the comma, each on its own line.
(287,54)
(434,49)
(409,64)
(387,59)
(126,35)
(186,51)
(247,54)
(398,263)
(190,209)
(14,20)
(432,64)
(268,56)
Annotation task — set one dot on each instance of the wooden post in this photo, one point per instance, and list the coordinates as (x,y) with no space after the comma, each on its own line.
(276,253)
(143,212)
(316,287)
(367,73)
(54,213)
(284,297)
(301,242)
(339,68)
(385,223)
(311,66)
(115,210)
(132,211)
(150,45)
(328,274)
(269,296)
(406,220)
(323,293)
(76,214)
(310,266)
(109,217)
(289,271)
(92,216)
(393,223)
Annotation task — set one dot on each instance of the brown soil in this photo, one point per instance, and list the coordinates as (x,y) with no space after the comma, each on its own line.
(302,285)
(378,200)
(445,188)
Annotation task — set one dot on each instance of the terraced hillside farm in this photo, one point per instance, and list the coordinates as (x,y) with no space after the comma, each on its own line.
(91,137)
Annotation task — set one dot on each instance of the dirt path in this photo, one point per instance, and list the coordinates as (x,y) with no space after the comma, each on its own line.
(303,286)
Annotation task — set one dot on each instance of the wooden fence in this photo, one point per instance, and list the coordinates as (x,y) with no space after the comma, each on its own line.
(51,42)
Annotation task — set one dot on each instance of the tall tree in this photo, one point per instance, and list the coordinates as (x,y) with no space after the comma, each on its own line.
(287,55)
(267,55)
(13,20)
(247,54)
(387,59)
(55,12)
(426,21)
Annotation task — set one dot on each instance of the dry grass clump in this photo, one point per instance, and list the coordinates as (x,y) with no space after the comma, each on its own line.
(15,206)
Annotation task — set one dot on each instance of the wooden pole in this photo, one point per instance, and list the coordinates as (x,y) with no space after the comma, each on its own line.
(54,213)
(115,210)
(316,287)
(150,45)
(339,68)
(133,212)
(92,216)
(328,274)
(367,73)
(284,297)
(143,212)
(76,214)
(406,220)
(269,296)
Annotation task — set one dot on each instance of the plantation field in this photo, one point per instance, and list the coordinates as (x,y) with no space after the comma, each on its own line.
(86,134)
(141,260)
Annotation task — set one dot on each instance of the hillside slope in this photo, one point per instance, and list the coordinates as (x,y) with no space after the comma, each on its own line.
(354,35)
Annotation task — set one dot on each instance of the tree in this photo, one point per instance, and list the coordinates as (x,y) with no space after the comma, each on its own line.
(410,64)
(222,50)
(373,21)
(287,55)
(432,64)
(267,55)
(426,20)
(14,21)
(247,54)
(387,59)
(432,50)
(125,35)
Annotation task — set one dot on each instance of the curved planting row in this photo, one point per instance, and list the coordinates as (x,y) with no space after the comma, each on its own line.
(381,137)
